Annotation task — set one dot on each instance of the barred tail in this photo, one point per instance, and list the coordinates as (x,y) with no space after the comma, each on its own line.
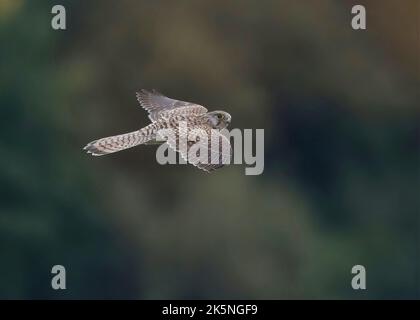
(117,143)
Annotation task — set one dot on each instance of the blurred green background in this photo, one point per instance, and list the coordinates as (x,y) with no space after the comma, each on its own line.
(340,110)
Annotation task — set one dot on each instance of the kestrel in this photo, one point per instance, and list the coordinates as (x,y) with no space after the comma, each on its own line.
(167,113)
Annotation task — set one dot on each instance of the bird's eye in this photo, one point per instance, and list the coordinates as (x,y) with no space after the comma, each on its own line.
(219,116)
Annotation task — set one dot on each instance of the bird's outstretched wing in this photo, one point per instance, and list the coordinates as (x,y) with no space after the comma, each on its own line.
(219,150)
(160,106)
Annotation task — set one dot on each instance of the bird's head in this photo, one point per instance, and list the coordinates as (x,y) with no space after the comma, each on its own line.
(218,119)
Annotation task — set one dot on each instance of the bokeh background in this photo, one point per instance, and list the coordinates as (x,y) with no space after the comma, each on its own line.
(339,107)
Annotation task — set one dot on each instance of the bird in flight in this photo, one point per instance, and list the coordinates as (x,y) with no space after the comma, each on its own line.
(166,113)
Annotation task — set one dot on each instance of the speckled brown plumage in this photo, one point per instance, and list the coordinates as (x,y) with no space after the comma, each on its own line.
(182,117)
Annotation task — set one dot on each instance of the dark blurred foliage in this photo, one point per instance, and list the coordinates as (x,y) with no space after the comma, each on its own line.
(340,110)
